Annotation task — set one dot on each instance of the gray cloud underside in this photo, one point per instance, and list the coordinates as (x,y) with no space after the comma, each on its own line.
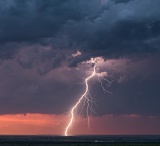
(38,37)
(135,88)
(110,28)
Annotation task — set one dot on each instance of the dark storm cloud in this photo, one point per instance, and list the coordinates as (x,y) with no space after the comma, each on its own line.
(25,91)
(38,37)
(122,1)
(35,19)
(110,28)
(135,88)
(121,30)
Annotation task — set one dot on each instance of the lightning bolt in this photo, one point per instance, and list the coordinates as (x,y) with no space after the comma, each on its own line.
(101,83)
(84,96)
(87,99)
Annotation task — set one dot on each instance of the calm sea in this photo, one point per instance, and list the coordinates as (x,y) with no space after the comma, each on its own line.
(88,138)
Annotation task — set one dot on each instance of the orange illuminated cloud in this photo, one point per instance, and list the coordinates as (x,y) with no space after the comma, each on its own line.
(31,124)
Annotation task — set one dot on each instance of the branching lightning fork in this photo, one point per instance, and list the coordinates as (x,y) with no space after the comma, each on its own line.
(86,97)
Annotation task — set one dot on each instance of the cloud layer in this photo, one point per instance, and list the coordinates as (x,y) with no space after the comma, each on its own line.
(44,46)
(108,28)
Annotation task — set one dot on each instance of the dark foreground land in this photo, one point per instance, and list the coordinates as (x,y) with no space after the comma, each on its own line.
(80,140)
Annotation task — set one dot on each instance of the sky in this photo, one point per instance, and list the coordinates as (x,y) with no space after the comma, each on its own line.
(45,52)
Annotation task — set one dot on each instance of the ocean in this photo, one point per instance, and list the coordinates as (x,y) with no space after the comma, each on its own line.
(50,139)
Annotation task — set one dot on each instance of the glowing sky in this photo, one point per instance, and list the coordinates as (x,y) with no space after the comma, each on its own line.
(45,48)
(54,124)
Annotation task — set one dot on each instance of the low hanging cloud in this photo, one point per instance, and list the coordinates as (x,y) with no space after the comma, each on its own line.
(26,91)
(111,28)
(45,46)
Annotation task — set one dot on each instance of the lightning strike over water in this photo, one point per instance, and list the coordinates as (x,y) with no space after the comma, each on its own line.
(86,97)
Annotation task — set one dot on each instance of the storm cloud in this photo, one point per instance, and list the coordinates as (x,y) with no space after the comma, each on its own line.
(40,74)
(113,27)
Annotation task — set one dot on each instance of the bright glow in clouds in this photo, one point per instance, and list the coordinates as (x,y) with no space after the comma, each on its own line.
(29,124)
(86,96)
(45,124)
(76,54)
